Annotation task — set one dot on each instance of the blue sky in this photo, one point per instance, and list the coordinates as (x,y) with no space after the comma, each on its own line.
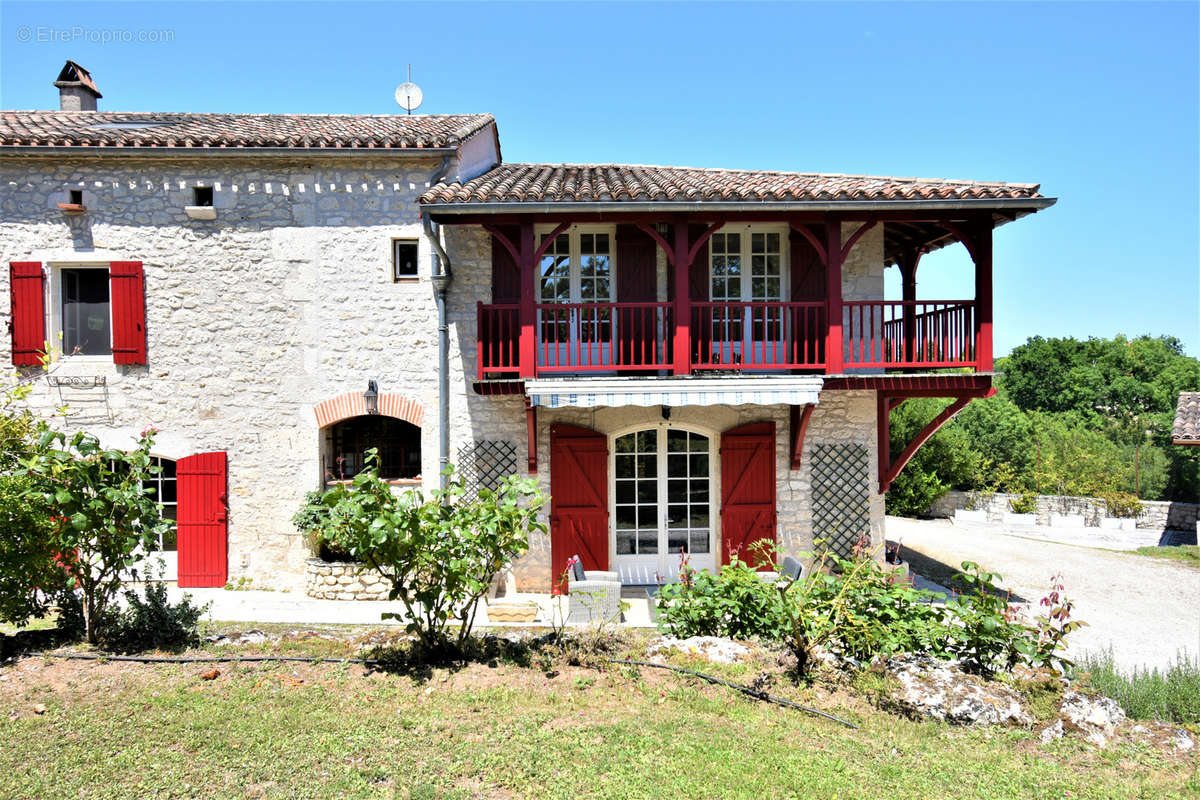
(1098,102)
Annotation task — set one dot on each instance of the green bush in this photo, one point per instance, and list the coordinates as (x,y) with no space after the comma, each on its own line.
(32,581)
(1024,503)
(1171,695)
(736,603)
(1121,504)
(152,622)
(311,520)
(440,555)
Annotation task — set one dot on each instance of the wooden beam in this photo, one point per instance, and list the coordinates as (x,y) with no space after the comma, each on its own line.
(812,238)
(649,230)
(834,354)
(889,471)
(800,417)
(504,240)
(984,361)
(854,237)
(531,435)
(527,311)
(682,348)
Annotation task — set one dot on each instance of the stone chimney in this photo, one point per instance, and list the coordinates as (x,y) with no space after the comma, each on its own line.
(76,90)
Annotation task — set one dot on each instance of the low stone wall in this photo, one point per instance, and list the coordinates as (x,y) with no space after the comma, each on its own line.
(343,580)
(1156,514)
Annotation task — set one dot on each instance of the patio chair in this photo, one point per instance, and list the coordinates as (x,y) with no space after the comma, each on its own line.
(791,569)
(593,596)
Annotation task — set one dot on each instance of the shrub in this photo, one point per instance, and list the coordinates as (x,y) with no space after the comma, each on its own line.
(1170,695)
(153,622)
(311,520)
(31,579)
(1121,504)
(103,515)
(736,603)
(985,633)
(440,555)
(1024,503)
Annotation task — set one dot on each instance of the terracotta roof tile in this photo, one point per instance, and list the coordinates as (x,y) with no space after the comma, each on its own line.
(153,129)
(1187,419)
(559,183)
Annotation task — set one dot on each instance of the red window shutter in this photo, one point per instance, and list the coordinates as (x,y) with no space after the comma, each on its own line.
(128,312)
(28,321)
(747,490)
(578,498)
(506,276)
(202,520)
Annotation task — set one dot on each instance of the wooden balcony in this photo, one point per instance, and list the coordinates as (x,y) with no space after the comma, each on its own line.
(633,338)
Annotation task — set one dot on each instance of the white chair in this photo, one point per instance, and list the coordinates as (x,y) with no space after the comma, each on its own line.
(594,596)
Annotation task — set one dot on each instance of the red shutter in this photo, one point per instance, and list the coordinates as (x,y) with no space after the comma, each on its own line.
(699,290)
(128,312)
(637,282)
(506,276)
(808,273)
(578,498)
(28,321)
(747,489)
(202,523)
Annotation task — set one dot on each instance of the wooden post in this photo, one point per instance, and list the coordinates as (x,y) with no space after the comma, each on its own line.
(883,434)
(834,358)
(682,355)
(527,314)
(984,361)
(908,262)
(531,436)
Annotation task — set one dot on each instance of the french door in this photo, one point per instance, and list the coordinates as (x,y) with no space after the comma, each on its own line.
(747,286)
(575,290)
(662,495)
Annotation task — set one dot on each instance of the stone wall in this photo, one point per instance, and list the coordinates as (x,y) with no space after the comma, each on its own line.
(342,580)
(1156,515)
(285,300)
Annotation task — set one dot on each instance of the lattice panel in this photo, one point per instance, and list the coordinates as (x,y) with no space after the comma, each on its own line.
(482,464)
(841,496)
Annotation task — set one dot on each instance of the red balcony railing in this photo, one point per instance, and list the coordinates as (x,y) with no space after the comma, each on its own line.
(758,335)
(909,333)
(633,337)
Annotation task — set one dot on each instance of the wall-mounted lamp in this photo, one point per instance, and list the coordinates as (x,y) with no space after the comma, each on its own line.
(371,397)
(666,412)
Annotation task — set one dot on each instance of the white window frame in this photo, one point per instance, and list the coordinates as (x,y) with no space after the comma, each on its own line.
(746,232)
(574,234)
(55,328)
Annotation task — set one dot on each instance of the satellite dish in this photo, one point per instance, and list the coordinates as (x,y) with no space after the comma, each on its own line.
(408,95)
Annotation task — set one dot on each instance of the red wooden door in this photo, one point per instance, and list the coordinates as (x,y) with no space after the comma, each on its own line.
(28,321)
(747,490)
(578,498)
(202,520)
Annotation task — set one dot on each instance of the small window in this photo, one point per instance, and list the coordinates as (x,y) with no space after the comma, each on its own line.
(398,443)
(86,312)
(76,197)
(202,196)
(404,259)
(161,488)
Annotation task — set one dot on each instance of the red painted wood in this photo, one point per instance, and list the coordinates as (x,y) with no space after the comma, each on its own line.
(506,275)
(531,436)
(202,520)
(578,498)
(807,269)
(888,469)
(28,308)
(983,297)
(800,417)
(527,361)
(834,359)
(747,490)
(682,339)
(128,296)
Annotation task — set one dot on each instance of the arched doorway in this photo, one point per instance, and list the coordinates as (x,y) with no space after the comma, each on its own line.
(663,502)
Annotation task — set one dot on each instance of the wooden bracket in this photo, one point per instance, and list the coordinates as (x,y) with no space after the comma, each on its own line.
(531,435)
(888,469)
(801,415)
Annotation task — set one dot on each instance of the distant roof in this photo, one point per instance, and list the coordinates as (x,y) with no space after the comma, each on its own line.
(1187,419)
(146,129)
(606,183)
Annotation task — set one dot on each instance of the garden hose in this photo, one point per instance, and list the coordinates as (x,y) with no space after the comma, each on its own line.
(749,691)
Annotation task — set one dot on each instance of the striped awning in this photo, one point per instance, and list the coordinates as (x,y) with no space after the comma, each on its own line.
(762,390)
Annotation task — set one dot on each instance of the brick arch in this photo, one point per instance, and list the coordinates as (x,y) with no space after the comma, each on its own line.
(352,404)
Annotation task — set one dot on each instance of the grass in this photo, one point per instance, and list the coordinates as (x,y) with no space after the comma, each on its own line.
(1187,554)
(1172,695)
(502,730)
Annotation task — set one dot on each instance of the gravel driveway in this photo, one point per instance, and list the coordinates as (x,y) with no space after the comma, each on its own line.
(1146,609)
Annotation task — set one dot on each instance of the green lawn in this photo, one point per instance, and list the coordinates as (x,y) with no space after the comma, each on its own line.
(1187,554)
(505,731)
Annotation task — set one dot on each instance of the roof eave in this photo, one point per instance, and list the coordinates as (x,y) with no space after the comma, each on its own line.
(1029,204)
(161,151)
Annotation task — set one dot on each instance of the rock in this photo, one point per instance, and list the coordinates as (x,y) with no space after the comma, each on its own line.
(928,687)
(1095,717)
(38,708)
(710,648)
(1183,741)
(210,675)
(1052,732)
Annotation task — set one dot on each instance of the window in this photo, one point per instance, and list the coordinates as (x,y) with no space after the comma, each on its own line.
(86,312)
(162,487)
(398,443)
(404,259)
(578,268)
(746,267)
(202,196)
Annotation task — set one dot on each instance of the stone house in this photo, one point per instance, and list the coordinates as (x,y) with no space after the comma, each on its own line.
(687,359)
